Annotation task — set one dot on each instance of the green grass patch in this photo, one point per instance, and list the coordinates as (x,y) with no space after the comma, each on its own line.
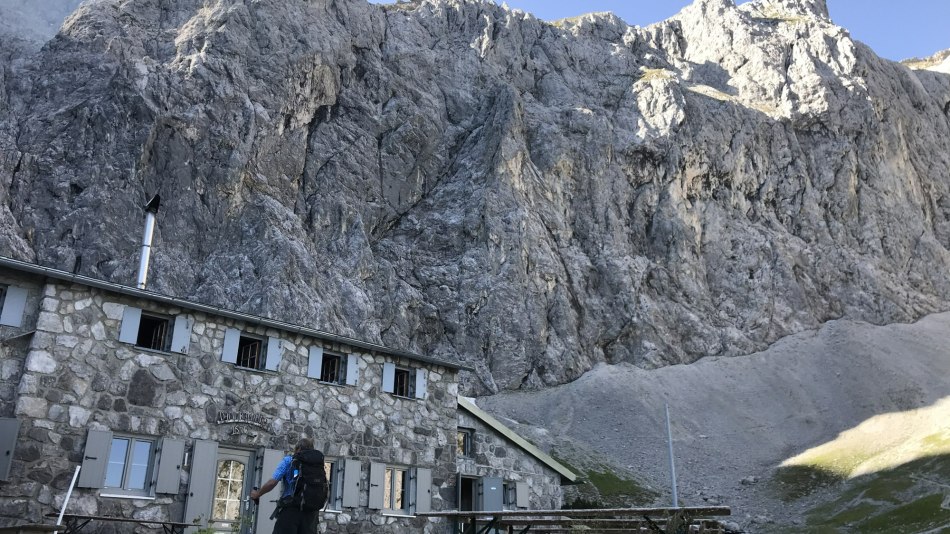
(906,499)
(797,481)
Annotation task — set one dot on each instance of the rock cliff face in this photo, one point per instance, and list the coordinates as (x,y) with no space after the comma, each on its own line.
(463,180)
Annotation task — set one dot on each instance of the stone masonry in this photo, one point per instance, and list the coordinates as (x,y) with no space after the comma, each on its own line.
(77,376)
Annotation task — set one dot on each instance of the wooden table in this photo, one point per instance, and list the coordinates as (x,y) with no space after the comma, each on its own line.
(603,520)
(30,529)
(73,523)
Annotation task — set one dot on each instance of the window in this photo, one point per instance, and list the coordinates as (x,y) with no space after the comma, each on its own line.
(466,442)
(404,382)
(333,370)
(396,489)
(3,295)
(250,352)
(335,494)
(509,497)
(12,305)
(129,467)
(154,332)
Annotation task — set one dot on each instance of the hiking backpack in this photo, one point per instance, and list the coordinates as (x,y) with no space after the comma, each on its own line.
(310,481)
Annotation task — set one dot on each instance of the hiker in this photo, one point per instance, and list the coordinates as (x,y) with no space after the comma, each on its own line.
(304,492)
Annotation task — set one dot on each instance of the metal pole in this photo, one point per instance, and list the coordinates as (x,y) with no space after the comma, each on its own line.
(150,210)
(669,436)
(69,493)
(146,248)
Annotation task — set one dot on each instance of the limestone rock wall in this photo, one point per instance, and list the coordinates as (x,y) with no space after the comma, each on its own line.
(466,181)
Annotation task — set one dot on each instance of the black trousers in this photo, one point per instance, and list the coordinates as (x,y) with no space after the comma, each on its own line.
(293,520)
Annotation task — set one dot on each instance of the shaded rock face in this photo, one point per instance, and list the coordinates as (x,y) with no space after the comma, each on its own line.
(466,181)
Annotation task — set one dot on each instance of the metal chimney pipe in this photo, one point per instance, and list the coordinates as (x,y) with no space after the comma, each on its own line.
(151,209)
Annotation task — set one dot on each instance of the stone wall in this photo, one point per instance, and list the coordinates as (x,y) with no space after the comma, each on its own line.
(79,376)
(494,455)
(14,342)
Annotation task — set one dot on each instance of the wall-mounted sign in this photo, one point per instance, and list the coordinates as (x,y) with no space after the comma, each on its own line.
(243,418)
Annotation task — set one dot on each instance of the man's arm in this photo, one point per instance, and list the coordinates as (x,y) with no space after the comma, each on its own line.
(269,485)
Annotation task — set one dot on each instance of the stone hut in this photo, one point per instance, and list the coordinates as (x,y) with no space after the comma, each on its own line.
(500,470)
(175,410)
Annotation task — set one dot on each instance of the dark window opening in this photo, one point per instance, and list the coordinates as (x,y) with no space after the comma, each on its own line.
(154,333)
(467,495)
(332,369)
(403,384)
(466,442)
(250,353)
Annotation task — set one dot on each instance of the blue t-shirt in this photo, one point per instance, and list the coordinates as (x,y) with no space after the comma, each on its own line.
(285,474)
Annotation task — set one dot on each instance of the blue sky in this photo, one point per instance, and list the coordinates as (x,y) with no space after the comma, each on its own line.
(894,29)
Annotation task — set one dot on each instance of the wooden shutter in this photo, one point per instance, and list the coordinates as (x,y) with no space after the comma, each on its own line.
(352,369)
(351,482)
(493,497)
(315,362)
(377,481)
(181,334)
(200,484)
(275,352)
(14,303)
(168,469)
(389,377)
(421,383)
(423,490)
(95,458)
(232,336)
(265,525)
(9,429)
(521,495)
(129,332)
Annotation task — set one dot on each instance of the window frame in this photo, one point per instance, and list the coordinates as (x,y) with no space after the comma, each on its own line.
(334,471)
(461,449)
(341,364)
(3,294)
(410,382)
(261,355)
(389,491)
(167,337)
(123,490)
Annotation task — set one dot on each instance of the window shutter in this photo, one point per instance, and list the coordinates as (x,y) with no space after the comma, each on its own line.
(129,332)
(389,377)
(421,383)
(275,351)
(200,483)
(352,369)
(315,363)
(168,470)
(521,495)
(493,498)
(13,305)
(423,490)
(95,458)
(231,338)
(377,481)
(265,525)
(181,334)
(9,428)
(351,483)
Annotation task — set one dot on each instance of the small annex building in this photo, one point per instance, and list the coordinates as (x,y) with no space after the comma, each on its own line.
(175,410)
